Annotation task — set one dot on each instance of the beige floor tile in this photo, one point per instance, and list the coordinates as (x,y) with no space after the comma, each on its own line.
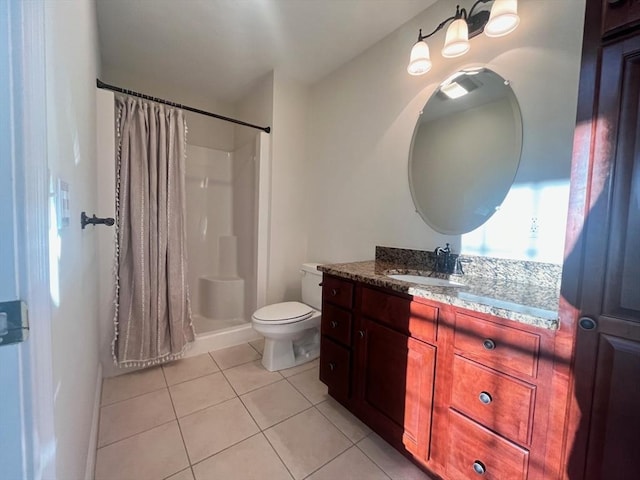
(186,474)
(250,376)
(288,372)
(132,384)
(309,384)
(233,356)
(306,442)
(251,459)
(351,465)
(390,460)
(342,418)
(274,403)
(203,392)
(189,368)
(151,455)
(211,430)
(258,345)
(126,418)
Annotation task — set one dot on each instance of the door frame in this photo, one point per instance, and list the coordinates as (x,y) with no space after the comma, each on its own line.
(31,199)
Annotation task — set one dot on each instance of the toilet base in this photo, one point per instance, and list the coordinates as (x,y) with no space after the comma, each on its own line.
(285,353)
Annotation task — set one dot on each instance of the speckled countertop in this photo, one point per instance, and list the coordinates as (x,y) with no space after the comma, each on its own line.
(530,296)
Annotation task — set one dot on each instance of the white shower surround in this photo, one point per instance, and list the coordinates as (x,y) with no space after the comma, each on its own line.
(106,207)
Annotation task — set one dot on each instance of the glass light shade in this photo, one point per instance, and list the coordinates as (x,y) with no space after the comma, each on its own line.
(503,18)
(456,42)
(419,61)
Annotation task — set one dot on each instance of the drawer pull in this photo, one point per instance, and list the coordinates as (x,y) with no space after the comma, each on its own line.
(334,292)
(479,467)
(361,333)
(485,398)
(333,324)
(332,366)
(489,344)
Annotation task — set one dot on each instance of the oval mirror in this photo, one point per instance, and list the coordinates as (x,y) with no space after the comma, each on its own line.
(465,151)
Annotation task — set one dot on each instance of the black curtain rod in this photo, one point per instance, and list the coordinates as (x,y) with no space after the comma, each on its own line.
(113,88)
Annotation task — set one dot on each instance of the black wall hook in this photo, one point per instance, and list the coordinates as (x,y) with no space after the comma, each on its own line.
(85,220)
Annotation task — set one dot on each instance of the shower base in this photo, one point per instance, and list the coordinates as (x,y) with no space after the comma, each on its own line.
(232,334)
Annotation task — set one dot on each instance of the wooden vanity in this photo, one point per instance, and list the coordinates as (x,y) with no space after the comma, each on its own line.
(463,394)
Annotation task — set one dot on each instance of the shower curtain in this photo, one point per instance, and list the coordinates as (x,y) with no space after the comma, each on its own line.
(152,308)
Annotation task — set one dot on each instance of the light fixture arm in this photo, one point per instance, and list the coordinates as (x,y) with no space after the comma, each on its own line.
(443,23)
(476,24)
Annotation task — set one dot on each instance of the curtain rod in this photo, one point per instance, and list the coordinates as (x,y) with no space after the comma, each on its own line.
(113,88)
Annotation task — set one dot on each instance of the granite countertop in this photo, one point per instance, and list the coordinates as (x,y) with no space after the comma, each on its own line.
(531,303)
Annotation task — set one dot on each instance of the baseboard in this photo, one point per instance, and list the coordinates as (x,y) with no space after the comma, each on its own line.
(93,436)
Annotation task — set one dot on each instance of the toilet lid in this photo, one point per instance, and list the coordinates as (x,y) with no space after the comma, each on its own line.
(283,312)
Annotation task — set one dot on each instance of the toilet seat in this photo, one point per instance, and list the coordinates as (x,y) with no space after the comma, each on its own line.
(282,313)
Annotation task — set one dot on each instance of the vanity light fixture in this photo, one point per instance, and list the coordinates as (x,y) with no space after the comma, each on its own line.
(502,20)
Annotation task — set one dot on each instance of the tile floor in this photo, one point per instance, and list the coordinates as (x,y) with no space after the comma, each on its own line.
(223,416)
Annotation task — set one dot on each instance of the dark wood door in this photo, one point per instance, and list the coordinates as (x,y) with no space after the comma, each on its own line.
(396,386)
(607,361)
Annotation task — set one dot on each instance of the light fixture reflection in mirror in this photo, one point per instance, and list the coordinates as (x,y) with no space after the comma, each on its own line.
(465,151)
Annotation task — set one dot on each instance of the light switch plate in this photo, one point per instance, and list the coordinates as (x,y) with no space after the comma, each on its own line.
(14,322)
(62,200)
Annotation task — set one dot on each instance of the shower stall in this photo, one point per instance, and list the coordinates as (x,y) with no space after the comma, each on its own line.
(222,232)
(227,196)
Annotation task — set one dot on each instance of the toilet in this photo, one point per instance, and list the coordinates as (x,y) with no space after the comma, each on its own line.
(291,330)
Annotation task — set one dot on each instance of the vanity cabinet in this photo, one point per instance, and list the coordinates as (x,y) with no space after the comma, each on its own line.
(462,394)
(495,387)
(336,335)
(394,371)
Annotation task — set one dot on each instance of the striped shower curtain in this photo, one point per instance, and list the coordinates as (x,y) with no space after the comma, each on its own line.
(152,311)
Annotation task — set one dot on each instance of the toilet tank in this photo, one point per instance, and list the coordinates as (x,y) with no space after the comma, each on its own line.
(311,289)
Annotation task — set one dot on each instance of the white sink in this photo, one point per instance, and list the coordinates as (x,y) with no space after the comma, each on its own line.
(429,281)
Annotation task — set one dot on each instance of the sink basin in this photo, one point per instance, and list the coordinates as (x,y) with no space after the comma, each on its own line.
(429,281)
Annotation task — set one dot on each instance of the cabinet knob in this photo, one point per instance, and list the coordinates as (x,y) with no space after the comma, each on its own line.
(333,324)
(361,333)
(489,344)
(587,323)
(479,467)
(332,366)
(334,292)
(485,398)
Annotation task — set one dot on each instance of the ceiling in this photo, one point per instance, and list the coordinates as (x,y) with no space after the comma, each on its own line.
(221,47)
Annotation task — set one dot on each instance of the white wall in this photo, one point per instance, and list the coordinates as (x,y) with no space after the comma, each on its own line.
(288,239)
(362,118)
(71,69)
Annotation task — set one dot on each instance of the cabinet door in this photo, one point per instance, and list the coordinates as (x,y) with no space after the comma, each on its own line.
(396,386)
(619,14)
(607,360)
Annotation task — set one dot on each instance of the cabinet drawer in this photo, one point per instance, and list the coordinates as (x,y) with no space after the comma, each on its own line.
(503,348)
(337,291)
(334,368)
(336,323)
(417,319)
(498,401)
(475,452)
